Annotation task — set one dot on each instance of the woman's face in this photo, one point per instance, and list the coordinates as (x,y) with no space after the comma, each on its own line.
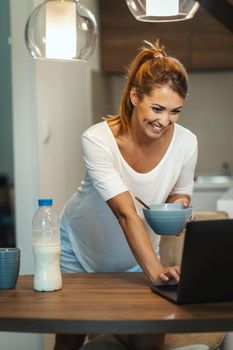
(154,114)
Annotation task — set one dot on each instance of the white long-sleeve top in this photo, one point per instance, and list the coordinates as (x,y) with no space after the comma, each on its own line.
(95,235)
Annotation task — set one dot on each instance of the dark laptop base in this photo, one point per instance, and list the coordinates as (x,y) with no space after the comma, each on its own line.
(207,264)
(167,292)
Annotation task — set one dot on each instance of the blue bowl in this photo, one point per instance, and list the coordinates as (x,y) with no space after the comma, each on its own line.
(9,267)
(167,218)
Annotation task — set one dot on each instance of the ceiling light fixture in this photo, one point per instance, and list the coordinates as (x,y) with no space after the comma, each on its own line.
(163,10)
(61,30)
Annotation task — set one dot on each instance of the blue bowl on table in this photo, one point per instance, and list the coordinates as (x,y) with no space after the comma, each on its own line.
(168,218)
(9,267)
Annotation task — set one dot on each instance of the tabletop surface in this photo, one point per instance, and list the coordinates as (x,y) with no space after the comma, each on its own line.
(105,303)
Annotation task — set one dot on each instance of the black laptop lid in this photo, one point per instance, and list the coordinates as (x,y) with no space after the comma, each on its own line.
(207,262)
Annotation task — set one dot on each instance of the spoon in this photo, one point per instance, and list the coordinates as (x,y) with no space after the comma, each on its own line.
(144,204)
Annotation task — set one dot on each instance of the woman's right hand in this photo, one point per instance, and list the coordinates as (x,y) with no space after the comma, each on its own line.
(167,275)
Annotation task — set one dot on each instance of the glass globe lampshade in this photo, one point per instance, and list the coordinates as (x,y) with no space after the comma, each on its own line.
(61,30)
(163,10)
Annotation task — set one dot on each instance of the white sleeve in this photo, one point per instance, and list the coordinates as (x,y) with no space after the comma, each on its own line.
(101,168)
(185,182)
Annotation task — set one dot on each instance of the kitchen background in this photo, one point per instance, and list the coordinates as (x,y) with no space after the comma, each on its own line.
(45,106)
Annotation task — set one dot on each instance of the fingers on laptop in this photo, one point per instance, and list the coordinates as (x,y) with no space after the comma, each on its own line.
(170,273)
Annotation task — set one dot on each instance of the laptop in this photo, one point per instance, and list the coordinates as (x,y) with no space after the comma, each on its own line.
(206,265)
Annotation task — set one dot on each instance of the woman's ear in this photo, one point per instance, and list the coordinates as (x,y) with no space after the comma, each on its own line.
(133,96)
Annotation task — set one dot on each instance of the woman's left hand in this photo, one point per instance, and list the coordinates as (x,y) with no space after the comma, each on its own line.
(183,201)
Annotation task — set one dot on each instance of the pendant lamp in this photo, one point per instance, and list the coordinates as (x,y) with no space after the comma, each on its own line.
(163,10)
(61,30)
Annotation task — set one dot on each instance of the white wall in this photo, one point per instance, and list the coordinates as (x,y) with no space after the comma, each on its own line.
(65,110)
(209,113)
(24,132)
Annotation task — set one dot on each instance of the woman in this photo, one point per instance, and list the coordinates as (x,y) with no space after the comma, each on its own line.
(141,152)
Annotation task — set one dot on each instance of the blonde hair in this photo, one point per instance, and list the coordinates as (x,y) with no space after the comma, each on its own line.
(151,67)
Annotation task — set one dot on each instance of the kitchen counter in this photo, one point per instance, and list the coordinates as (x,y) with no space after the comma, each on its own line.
(226,202)
(208,189)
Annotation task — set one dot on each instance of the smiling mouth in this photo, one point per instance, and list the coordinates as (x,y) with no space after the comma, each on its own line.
(156,127)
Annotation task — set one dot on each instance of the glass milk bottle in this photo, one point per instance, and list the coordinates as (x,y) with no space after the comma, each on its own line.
(46,247)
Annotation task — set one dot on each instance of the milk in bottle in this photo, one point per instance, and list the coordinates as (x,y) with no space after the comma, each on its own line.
(46,247)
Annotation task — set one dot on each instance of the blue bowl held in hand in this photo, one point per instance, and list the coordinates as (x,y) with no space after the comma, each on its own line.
(167,218)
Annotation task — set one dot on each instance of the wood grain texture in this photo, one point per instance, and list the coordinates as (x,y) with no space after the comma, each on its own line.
(105,303)
(200,43)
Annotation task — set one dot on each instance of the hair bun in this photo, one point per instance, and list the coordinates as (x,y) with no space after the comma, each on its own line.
(158,55)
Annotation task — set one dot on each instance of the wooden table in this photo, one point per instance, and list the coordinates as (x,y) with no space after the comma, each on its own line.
(105,303)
